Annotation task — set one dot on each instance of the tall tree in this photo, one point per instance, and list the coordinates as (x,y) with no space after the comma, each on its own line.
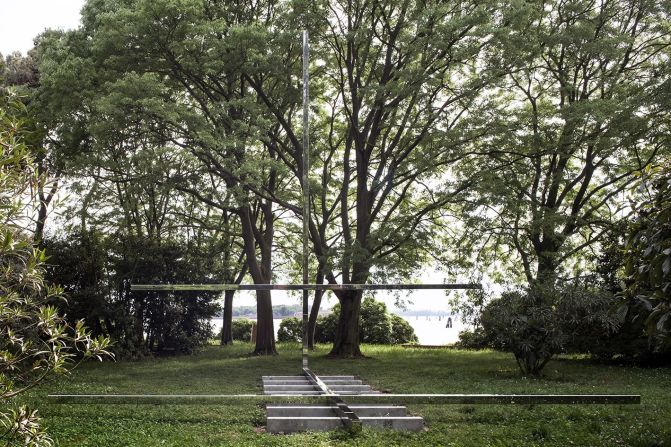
(397,81)
(578,115)
(182,74)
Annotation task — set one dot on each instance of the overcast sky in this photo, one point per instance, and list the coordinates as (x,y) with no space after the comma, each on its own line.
(22,20)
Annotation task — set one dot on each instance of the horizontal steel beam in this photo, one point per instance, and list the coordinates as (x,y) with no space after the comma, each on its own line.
(437,399)
(221,287)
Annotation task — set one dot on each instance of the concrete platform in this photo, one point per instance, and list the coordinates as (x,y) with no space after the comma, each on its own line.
(320,417)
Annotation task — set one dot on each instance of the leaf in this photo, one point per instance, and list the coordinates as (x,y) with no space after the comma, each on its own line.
(662,322)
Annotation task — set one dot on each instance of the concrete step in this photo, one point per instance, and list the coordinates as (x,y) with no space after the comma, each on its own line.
(363,389)
(329,410)
(285,382)
(324,378)
(296,424)
(342,382)
(283,377)
(293,393)
(301,376)
(306,387)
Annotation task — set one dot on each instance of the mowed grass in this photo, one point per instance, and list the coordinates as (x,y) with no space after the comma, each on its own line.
(229,370)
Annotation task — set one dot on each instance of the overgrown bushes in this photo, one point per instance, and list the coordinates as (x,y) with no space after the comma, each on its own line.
(377,326)
(536,323)
(96,272)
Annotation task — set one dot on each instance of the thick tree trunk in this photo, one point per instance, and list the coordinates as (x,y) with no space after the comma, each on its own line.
(227,326)
(265,329)
(346,342)
(261,274)
(316,304)
(546,272)
(312,319)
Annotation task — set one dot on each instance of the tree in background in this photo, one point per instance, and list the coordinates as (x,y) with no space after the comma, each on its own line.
(176,90)
(21,74)
(577,114)
(579,111)
(35,340)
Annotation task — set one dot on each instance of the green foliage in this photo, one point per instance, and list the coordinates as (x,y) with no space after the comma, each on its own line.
(581,106)
(474,339)
(537,323)
(648,258)
(401,331)
(36,341)
(377,326)
(96,271)
(375,322)
(242,329)
(326,326)
(524,323)
(291,329)
(18,70)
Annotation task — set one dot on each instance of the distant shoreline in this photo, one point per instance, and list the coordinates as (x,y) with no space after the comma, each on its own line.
(419,313)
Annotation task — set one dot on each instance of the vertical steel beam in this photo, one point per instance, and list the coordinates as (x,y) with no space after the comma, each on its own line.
(306,194)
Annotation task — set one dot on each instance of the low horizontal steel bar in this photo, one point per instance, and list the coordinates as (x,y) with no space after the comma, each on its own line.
(222,287)
(436,399)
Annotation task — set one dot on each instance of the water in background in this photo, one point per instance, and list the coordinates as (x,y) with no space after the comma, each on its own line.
(429,330)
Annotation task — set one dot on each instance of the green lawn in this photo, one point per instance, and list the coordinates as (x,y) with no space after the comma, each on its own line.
(229,370)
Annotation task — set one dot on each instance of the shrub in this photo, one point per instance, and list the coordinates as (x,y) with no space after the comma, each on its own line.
(539,322)
(524,323)
(96,270)
(401,331)
(326,326)
(375,322)
(475,339)
(377,326)
(291,329)
(648,259)
(242,329)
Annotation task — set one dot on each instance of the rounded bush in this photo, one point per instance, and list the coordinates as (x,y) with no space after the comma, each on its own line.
(242,329)
(291,329)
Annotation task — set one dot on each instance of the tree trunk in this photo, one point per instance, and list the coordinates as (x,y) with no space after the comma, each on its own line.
(547,268)
(261,274)
(312,319)
(316,304)
(346,342)
(227,326)
(265,329)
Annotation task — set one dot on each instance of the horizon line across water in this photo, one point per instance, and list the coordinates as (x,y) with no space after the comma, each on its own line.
(430,329)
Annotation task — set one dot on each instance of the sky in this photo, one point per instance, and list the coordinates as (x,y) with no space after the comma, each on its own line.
(22,20)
